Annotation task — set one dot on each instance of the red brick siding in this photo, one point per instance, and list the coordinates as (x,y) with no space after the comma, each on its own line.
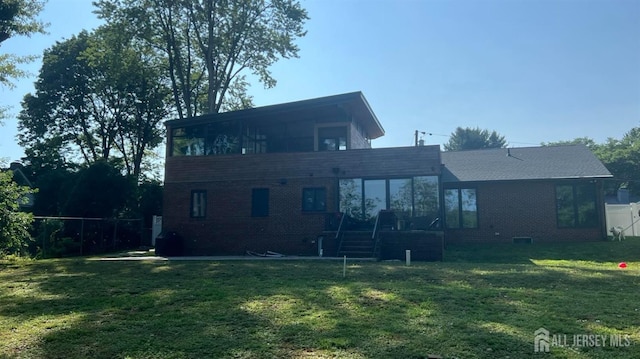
(519,209)
(229,228)
(357,138)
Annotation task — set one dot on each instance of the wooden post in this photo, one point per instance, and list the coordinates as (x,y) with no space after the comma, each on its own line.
(81,235)
(344,267)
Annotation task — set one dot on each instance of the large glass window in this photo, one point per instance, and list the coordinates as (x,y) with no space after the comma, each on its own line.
(426,197)
(576,205)
(351,197)
(254,141)
(222,138)
(460,206)
(198,204)
(412,199)
(213,139)
(188,141)
(401,196)
(314,199)
(375,197)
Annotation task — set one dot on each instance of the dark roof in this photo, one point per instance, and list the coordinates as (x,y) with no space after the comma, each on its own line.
(352,102)
(522,163)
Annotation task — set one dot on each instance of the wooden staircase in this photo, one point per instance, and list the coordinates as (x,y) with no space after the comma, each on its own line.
(356,244)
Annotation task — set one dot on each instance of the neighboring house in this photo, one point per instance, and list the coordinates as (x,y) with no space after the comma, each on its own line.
(302,178)
(19,177)
(551,193)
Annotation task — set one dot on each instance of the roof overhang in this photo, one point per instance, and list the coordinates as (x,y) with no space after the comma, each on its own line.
(353,103)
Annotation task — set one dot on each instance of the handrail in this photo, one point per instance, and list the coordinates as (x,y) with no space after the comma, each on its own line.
(339,232)
(343,215)
(375,237)
(375,226)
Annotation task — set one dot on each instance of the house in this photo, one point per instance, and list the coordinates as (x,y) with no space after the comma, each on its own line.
(551,193)
(302,178)
(20,178)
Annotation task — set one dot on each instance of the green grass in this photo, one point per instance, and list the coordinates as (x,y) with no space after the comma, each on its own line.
(481,303)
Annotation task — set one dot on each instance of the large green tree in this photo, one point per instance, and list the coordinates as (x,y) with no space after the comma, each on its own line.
(210,46)
(17,18)
(620,156)
(99,97)
(474,139)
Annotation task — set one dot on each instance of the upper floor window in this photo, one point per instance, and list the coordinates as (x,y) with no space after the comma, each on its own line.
(332,138)
(211,139)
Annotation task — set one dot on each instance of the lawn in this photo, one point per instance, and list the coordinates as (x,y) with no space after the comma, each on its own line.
(480,303)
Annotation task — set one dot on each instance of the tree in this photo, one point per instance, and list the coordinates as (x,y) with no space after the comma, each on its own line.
(109,109)
(210,45)
(621,157)
(589,142)
(14,224)
(17,18)
(474,139)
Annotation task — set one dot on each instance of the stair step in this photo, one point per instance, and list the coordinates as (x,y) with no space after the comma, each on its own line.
(356,254)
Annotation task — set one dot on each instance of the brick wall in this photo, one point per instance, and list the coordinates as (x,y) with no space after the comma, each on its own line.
(229,228)
(519,209)
(357,138)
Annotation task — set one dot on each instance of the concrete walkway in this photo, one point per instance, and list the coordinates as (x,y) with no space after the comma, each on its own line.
(145,256)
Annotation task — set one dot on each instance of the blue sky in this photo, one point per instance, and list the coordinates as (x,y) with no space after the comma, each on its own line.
(535,71)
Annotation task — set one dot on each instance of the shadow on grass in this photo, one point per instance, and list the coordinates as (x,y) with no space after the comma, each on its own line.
(601,251)
(304,309)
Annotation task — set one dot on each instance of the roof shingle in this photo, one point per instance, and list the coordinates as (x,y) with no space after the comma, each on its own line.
(522,163)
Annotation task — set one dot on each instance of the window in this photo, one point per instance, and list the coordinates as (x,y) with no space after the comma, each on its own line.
(188,141)
(351,197)
(414,197)
(332,138)
(260,202)
(460,207)
(576,205)
(200,140)
(314,199)
(254,141)
(198,204)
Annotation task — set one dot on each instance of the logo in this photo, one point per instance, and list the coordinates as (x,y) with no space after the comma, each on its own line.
(541,340)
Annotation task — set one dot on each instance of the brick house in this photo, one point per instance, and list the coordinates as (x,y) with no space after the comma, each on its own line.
(520,194)
(302,177)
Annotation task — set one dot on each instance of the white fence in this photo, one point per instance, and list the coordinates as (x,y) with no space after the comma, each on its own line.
(625,216)
(156,229)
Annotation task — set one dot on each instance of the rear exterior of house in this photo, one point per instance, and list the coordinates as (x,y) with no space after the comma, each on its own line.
(526,194)
(278,178)
(302,178)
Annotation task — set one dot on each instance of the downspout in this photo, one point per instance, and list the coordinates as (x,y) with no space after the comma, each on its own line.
(601,208)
